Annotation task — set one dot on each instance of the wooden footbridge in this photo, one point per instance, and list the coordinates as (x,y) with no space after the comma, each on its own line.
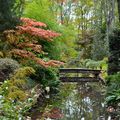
(80,75)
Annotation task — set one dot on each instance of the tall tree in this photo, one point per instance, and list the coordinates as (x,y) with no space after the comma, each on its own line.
(118,2)
(10,12)
(114,49)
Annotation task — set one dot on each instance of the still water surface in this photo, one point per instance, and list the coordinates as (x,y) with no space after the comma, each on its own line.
(85,102)
(78,102)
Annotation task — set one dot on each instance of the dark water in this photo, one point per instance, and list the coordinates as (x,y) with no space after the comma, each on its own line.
(85,102)
(78,102)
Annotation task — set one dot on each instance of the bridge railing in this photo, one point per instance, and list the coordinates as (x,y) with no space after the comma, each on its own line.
(88,75)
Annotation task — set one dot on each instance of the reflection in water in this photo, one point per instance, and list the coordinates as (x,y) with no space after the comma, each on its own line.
(76,102)
(84,103)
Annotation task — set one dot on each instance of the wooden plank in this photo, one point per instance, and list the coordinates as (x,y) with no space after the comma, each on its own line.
(79,70)
(79,79)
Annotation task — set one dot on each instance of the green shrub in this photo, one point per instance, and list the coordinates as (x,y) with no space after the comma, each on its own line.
(14,98)
(47,77)
(7,67)
(113,97)
(114,49)
(113,89)
(8,110)
(111,79)
(11,110)
(14,88)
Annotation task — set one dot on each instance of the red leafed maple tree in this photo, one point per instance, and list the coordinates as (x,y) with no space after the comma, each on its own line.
(25,37)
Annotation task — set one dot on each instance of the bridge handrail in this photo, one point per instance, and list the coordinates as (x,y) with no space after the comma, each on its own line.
(79,70)
(95,78)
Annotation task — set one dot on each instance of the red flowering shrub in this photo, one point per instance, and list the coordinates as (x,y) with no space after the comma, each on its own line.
(31,27)
(24,37)
(31,22)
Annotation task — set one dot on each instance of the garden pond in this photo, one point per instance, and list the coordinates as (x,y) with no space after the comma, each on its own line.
(74,102)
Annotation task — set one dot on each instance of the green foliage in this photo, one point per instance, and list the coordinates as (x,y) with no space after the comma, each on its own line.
(113,97)
(64,43)
(67,42)
(42,13)
(23,72)
(14,98)
(113,79)
(10,11)
(13,89)
(47,77)
(114,48)
(11,110)
(96,64)
(113,89)
(100,48)
(8,110)
(91,64)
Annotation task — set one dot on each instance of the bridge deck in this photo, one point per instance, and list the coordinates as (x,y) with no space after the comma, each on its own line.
(95,78)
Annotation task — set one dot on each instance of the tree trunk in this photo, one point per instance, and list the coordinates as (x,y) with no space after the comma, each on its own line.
(61,13)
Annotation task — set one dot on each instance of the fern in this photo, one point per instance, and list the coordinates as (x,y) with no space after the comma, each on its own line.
(23,72)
